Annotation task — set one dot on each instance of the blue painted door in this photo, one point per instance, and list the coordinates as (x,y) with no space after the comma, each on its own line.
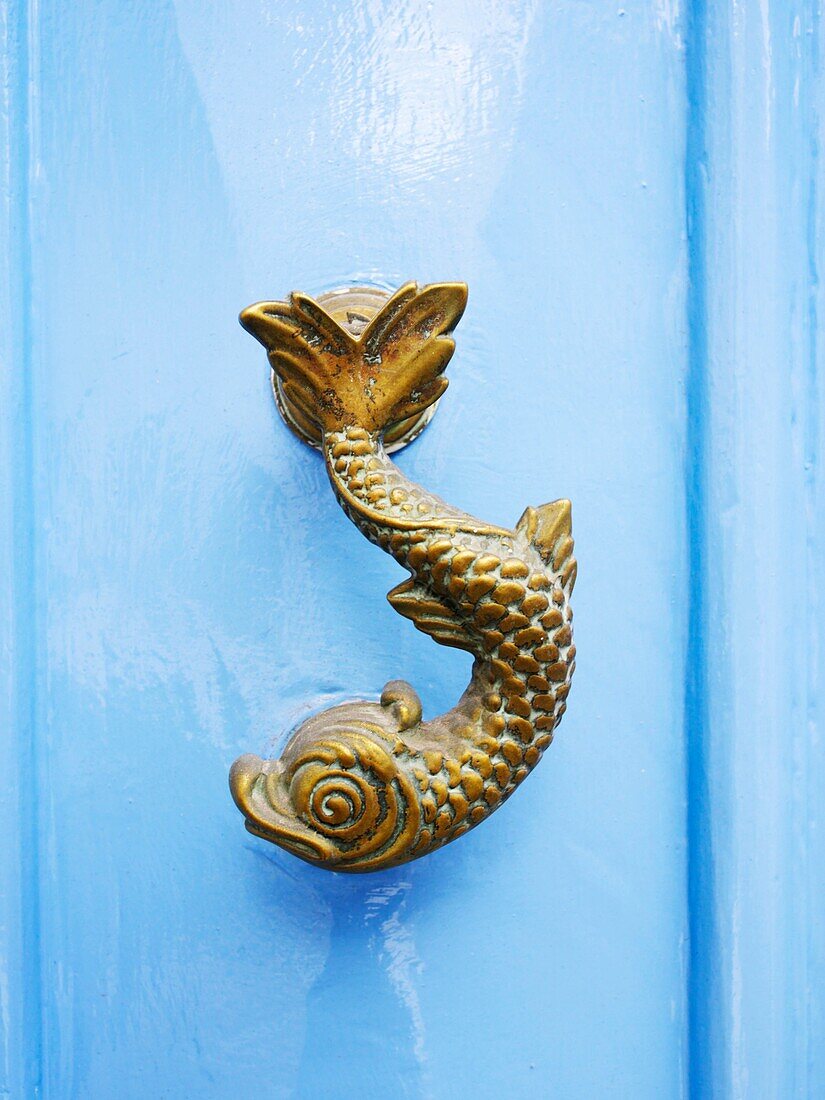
(633,193)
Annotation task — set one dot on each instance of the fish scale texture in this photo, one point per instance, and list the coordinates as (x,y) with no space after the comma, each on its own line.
(513,609)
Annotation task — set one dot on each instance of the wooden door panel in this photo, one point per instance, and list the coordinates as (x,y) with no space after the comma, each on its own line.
(182,587)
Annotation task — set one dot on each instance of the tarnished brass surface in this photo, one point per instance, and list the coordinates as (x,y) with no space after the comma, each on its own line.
(365,785)
(353,308)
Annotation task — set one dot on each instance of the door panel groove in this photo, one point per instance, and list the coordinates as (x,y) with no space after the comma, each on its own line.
(755,766)
(20,944)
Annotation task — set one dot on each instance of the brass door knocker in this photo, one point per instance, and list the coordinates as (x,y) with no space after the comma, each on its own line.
(365,786)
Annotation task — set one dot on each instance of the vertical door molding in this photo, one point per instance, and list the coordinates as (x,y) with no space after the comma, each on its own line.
(755,756)
(19,879)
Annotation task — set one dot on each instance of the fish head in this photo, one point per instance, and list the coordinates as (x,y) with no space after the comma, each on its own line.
(337,795)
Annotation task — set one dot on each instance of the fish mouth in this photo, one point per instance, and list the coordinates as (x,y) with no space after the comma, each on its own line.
(260,793)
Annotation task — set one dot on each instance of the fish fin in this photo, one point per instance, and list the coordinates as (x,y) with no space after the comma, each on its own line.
(409,339)
(305,348)
(318,323)
(430,614)
(393,370)
(548,528)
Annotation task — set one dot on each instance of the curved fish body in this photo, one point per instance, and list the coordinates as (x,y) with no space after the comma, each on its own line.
(365,786)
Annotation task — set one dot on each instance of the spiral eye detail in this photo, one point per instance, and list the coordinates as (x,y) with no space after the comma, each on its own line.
(352,792)
(338,800)
(337,807)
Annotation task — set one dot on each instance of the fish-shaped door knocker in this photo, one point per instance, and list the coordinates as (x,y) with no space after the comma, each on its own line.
(365,786)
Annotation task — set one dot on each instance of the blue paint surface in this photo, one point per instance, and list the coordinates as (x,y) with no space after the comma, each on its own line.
(180,586)
(756,774)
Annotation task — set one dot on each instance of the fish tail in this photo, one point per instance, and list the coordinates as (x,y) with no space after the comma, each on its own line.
(391,371)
